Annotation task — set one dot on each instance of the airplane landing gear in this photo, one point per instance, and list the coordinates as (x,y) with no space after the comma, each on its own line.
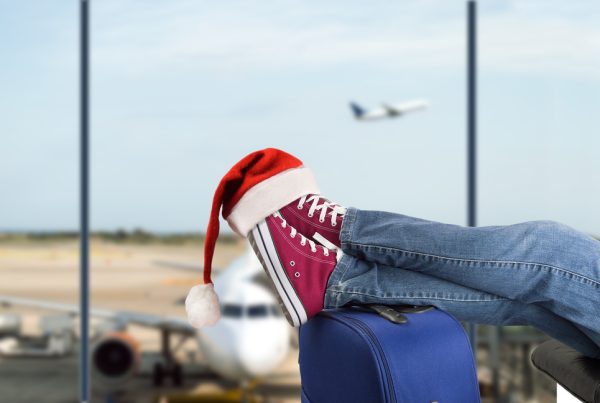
(170,368)
(161,372)
(158,374)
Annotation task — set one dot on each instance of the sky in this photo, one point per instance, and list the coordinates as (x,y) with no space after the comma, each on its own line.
(183,89)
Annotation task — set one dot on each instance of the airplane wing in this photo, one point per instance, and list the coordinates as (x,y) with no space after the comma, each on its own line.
(393,110)
(410,106)
(195,268)
(172,324)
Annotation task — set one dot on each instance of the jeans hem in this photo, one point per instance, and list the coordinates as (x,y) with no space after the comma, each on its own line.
(348,225)
(336,278)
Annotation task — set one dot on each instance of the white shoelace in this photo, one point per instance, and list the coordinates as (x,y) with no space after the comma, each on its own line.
(323,208)
(303,239)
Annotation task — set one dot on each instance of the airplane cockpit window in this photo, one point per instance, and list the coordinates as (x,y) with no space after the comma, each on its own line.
(231,311)
(252,311)
(257,311)
(275,311)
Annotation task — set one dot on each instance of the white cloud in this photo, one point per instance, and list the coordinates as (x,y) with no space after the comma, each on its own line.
(259,37)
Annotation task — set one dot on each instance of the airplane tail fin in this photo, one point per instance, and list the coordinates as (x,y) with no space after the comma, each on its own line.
(357,110)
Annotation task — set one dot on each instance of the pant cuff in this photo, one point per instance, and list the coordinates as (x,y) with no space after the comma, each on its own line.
(348,225)
(336,278)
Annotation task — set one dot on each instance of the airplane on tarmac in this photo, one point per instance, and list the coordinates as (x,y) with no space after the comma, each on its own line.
(250,341)
(387,111)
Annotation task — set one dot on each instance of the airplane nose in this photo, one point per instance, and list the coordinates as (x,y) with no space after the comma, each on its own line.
(261,358)
(254,361)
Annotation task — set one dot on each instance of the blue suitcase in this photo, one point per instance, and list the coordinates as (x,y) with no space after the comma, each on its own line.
(350,355)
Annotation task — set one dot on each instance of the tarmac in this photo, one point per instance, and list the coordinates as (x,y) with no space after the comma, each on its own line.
(123,277)
(134,277)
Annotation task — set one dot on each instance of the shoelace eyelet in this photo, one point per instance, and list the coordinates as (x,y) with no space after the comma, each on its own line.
(334,224)
(299,207)
(310,215)
(292,263)
(297,274)
(321,220)
(326,252)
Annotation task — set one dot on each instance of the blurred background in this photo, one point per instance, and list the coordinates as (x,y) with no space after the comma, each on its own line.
(181,90)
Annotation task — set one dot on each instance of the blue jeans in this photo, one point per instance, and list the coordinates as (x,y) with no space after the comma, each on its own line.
(540,273)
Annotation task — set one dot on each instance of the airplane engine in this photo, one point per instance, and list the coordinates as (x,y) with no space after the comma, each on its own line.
(114,359)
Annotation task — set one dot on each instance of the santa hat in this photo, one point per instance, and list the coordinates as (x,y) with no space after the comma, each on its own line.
(258,185)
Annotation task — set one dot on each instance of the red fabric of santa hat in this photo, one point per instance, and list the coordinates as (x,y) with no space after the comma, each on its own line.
(258,185)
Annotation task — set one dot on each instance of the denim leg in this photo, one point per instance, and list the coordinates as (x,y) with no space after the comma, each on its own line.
(541,263)
(356,281)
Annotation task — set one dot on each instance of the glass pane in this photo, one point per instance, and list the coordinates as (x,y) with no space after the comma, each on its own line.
(182,90)
(539,96)
(38,199)
(539,93)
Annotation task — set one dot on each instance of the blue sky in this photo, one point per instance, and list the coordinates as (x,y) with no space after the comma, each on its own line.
(183,89)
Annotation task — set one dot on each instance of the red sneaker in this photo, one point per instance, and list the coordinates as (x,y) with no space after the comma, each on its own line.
(317,218)
(298,268)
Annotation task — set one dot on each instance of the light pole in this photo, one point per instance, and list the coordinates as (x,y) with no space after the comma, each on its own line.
(84,235)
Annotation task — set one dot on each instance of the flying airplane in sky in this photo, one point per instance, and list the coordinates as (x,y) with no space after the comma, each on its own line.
(387,110)
(251,339)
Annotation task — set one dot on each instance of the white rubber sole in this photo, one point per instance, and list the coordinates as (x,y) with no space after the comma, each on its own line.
(262,243)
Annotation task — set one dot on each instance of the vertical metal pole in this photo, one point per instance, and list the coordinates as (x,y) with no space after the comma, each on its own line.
(494,346)
(472,130)
(84,291)
(494,332)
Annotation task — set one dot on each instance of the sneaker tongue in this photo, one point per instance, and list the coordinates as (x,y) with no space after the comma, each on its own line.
(323,241)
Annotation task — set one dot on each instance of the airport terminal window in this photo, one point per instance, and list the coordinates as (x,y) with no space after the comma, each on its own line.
(152,136)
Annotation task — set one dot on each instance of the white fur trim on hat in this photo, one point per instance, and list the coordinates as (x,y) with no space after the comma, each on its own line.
(202,306)
(269,196)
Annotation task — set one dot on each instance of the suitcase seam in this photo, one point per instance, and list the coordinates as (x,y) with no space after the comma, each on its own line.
(330,316)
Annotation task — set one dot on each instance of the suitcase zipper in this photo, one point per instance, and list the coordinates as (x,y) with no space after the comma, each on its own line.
(369,333)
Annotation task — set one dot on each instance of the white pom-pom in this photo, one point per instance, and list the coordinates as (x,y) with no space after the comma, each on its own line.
(202,306)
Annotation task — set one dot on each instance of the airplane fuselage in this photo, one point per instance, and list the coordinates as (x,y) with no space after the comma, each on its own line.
(246,348)
(388,111)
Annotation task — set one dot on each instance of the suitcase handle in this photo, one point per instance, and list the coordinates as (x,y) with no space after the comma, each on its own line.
(413,308)
(388,312)
(394,313)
